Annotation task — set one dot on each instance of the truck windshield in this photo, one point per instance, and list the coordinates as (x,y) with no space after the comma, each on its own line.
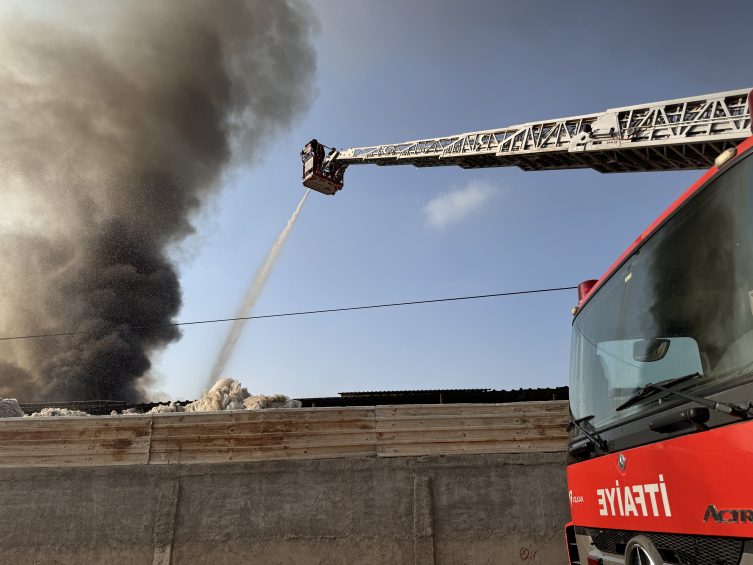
(682,304)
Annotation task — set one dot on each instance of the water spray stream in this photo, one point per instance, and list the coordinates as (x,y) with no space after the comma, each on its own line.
(257,285)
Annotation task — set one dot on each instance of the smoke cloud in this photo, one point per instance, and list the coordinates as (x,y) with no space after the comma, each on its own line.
(115,130)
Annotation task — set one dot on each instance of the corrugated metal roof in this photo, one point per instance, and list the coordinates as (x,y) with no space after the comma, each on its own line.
(369,398)
(414,392)
(449,396)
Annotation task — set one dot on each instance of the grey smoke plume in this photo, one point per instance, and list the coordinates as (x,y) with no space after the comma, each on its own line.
(114,131)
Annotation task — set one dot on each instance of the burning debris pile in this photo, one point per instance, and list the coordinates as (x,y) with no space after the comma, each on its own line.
(57,412)
(167,408)
(9,408)
(226,394)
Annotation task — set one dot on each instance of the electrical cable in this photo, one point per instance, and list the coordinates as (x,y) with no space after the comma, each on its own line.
(300,313)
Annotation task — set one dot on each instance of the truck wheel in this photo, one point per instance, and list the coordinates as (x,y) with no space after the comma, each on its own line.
(640,551)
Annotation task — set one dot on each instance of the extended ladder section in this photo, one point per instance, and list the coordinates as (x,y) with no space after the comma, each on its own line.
(683,134)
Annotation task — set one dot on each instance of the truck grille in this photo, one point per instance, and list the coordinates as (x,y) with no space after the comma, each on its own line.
(674,548)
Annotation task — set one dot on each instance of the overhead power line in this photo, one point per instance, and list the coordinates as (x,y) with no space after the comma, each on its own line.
(301,313)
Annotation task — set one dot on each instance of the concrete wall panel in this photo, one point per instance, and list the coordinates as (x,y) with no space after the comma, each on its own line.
(455,509)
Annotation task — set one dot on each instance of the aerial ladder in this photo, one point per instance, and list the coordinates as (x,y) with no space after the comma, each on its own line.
(676,135)
(661,368)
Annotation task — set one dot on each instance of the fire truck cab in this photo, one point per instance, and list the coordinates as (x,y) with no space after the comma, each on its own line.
(661,387)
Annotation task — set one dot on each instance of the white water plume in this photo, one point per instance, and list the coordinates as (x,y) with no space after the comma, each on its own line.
(257,285)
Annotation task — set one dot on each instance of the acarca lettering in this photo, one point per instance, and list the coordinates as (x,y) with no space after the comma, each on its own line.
(629,500)
(728,516)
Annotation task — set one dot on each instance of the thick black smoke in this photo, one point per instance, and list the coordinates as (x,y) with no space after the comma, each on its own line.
(113,133)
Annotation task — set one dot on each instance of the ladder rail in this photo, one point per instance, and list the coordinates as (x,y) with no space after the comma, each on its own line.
(681,134)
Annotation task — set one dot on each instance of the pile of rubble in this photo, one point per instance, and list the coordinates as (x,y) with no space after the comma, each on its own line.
(226,394)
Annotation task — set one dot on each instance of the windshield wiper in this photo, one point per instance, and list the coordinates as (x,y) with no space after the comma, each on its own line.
(652,389)
(594,438)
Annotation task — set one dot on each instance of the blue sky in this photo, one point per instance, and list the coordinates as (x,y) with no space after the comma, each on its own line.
(394,71)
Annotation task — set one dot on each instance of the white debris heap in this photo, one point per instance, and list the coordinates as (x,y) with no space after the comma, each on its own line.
(57,412)
(229,394)
(166,408)
(9,408)
(226,394)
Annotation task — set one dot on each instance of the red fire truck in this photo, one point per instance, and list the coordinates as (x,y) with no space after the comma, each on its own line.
(661,370)
(661,386)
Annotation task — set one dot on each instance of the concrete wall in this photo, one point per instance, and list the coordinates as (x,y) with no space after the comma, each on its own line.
(438,509)
(423,484)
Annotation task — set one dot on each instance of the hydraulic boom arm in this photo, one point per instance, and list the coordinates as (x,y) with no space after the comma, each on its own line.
(683,134)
